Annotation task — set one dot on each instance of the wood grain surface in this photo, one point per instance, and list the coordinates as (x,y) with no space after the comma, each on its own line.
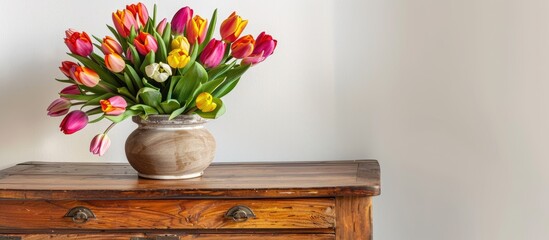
(71,181)
(315,213)
(128,236)
(354,218)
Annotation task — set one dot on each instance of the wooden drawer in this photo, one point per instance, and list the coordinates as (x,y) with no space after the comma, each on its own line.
(180,237)
(305,213)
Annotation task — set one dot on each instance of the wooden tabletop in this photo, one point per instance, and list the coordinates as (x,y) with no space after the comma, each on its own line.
(69,180)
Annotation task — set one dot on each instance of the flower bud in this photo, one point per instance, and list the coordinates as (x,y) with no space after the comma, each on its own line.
(109,45)
(100,144)
(232,27)
(59,107)
(213,53)
(114,62)
(73,122)
(78,43)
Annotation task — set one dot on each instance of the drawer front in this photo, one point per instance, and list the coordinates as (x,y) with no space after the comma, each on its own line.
(314,213)
(170,237)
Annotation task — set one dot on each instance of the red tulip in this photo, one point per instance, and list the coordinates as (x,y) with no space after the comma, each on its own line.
(78,43)
(242,47)
(213,53)
(232,27)
(139,12)
(109,45)
(85,76)
(67,67)
(196,30)
(264,47)
(59,107)
(124,21)
(145,43)
(73,122)
(180,19)
(100,144)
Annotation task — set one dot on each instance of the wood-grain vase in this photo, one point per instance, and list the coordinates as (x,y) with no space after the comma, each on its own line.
(180,148)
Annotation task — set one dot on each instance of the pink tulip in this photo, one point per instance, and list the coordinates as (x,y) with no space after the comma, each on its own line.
(180,19)
(59,107)
(213,53)
(114,62)
(78,43)
(242,47)
(139,12)
(145,43)
(71,90)
(67,67)
(124,21)
(109,45)
(264,47)
(73,122)
(113,106)
(161,26)
(85,76)
(100,144)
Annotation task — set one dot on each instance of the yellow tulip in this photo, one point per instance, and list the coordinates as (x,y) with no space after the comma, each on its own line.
(182,43)
(178,58)
(205,103)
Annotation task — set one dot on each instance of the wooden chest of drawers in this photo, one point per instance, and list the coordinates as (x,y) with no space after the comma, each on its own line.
(267,201)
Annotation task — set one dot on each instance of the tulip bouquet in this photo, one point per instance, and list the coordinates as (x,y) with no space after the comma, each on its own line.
(147,68)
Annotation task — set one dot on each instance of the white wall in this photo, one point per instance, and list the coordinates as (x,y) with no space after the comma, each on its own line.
(449,95)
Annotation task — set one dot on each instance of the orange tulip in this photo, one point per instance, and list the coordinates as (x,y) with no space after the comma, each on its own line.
(196,30)
(232,27)
(243,47)
(124,21)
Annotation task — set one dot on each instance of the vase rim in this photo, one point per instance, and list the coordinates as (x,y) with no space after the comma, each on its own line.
(163,119)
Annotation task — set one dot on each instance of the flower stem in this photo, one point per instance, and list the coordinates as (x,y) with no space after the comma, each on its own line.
(109,128)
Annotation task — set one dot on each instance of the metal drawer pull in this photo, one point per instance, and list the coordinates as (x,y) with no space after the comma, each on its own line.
(239,213)
(80,214)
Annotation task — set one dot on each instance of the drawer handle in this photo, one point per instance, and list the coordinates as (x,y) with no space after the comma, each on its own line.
(239,213)
(80,214)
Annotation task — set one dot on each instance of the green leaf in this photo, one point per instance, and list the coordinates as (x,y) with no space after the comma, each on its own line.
(151,97)
(128,113)
(147,61)
(129,83)
(135,55)
(170,105)
(219,110)
(211,28)
(147,84)
(97,119)
(210,86)
(219,70)
(94,111)
(133,35)
(176,113)
(128,96)
(226,88)
(145,109)
(65,81)
(162,52)
(232,78)
(78,97)
(167,34)
(134,76)
(188,84)
(96,100)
